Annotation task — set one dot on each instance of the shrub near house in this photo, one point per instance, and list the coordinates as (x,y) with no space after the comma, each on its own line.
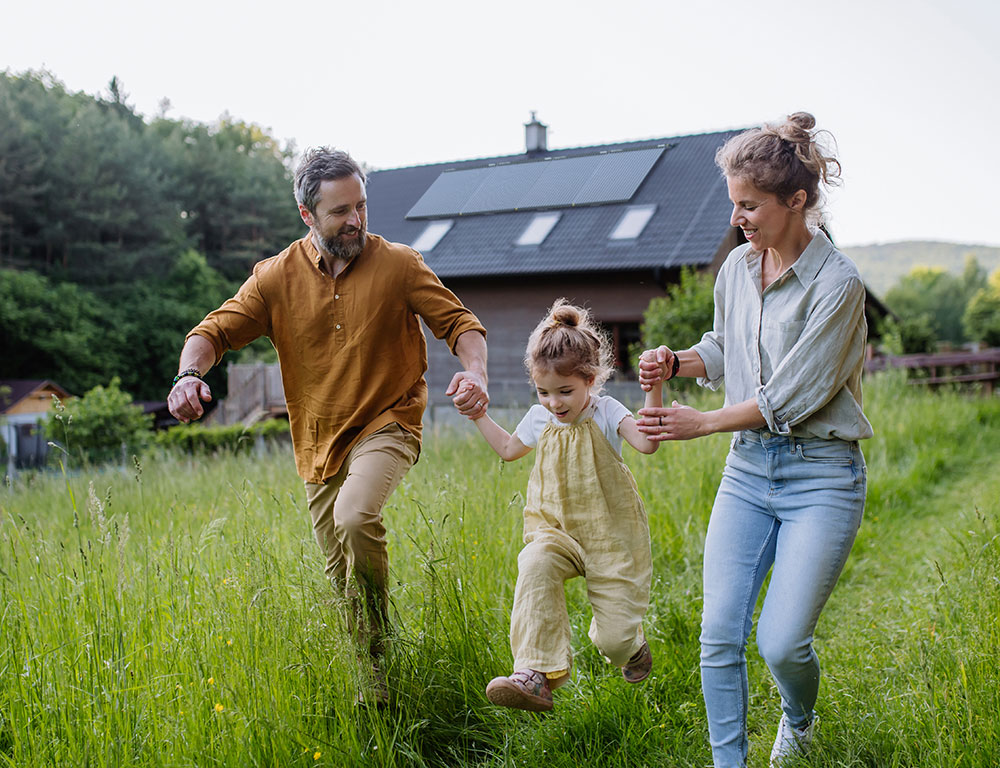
(102,426)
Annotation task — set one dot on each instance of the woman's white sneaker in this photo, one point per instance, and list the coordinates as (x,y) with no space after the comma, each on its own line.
(791,742)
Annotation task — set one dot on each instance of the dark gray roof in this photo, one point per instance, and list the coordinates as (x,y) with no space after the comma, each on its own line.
(691,219)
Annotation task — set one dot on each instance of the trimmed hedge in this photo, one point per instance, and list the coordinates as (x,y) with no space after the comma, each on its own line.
(199,439)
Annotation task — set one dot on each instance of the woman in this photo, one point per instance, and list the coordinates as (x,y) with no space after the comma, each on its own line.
(789,341)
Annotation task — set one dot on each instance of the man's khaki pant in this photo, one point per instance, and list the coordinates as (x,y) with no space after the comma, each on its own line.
(346,514)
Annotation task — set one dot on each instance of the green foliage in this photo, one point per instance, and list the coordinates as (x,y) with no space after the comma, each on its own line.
(56,331)
(4,394)
(982,315)
(908,335)
(680,318)
(102,426)
(66,333)
(156,317)
(938,296)
(125,233)
(198,439)
(92,193)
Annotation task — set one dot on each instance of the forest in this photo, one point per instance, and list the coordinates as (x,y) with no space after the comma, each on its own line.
(117,233)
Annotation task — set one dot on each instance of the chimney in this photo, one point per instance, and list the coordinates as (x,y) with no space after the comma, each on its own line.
(534,135)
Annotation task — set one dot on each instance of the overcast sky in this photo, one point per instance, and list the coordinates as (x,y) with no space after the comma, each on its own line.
(909,88)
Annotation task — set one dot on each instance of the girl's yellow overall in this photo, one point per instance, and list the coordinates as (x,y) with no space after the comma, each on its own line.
(582,517)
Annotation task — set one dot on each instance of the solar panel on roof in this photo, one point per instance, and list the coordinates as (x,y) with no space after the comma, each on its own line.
(611,177)
(449,192)
(618,176)
(503,189)
(559,177)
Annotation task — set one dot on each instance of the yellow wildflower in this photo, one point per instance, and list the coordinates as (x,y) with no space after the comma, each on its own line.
(219,707)
(317,755)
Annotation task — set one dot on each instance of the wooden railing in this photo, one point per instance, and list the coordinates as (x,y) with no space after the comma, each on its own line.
(255,393)
(981,367)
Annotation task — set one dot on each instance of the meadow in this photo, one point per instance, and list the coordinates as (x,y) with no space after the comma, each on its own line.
(174,613)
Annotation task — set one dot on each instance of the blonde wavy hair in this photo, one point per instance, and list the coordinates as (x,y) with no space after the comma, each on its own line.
(782,158)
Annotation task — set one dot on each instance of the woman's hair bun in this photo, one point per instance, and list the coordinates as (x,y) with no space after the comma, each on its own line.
(802,120)
(784,157)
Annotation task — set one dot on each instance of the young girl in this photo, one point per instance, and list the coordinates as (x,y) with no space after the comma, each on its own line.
(582,516)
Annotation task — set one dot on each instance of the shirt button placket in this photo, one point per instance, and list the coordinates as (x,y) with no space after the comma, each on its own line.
(338,316)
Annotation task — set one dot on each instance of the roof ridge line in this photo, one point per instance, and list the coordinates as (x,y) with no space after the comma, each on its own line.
(556,152)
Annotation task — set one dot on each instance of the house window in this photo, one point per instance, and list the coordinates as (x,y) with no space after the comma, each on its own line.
(432,235)
(633,221)
(539,228)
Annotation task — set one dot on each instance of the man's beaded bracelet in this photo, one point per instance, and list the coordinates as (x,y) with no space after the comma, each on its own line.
(184,374)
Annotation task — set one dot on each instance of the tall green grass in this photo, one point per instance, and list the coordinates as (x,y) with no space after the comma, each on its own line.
(174,613)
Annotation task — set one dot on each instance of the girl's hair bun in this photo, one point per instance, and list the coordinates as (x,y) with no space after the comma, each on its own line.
(565,314)
(570,341)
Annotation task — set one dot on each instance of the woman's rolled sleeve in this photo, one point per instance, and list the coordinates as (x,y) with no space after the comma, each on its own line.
(712,353)
(819,364)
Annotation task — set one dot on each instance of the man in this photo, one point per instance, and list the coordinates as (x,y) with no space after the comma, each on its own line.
(341,307)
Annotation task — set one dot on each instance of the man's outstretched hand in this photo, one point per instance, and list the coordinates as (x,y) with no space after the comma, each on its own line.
(185,399)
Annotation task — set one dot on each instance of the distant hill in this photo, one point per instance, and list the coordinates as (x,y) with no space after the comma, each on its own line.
(883,264)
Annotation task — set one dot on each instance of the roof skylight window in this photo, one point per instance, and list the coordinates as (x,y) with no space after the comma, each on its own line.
(432,235)
(539,228)
(633,222)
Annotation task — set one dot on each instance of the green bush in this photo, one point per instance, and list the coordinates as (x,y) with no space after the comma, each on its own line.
(908,335)
(102,426)
(982,315)
(680,318)
(201,440)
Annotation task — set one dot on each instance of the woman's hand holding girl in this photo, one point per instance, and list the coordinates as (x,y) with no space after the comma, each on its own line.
(655,366)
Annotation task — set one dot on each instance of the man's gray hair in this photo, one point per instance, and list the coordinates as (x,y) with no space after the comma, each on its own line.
(322,164)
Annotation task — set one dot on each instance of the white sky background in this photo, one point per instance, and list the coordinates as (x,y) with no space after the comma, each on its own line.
(910,88)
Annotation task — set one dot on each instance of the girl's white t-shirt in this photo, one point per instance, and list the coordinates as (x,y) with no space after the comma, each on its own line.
(606,412)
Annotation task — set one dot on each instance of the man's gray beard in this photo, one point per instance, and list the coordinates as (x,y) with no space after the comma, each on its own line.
(340,250)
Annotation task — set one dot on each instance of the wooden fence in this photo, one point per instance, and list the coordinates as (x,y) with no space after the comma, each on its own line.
(981,368)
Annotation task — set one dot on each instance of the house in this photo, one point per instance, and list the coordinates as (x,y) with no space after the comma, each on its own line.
(24,404)
(606,226)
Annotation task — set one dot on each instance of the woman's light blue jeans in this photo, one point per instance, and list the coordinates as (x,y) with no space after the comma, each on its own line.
(794,504)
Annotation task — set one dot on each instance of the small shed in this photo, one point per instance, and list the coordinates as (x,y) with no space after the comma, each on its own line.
(24,404)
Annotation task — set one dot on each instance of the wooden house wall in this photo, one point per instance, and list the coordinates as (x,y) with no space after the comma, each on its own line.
(511,308)
(37,401)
